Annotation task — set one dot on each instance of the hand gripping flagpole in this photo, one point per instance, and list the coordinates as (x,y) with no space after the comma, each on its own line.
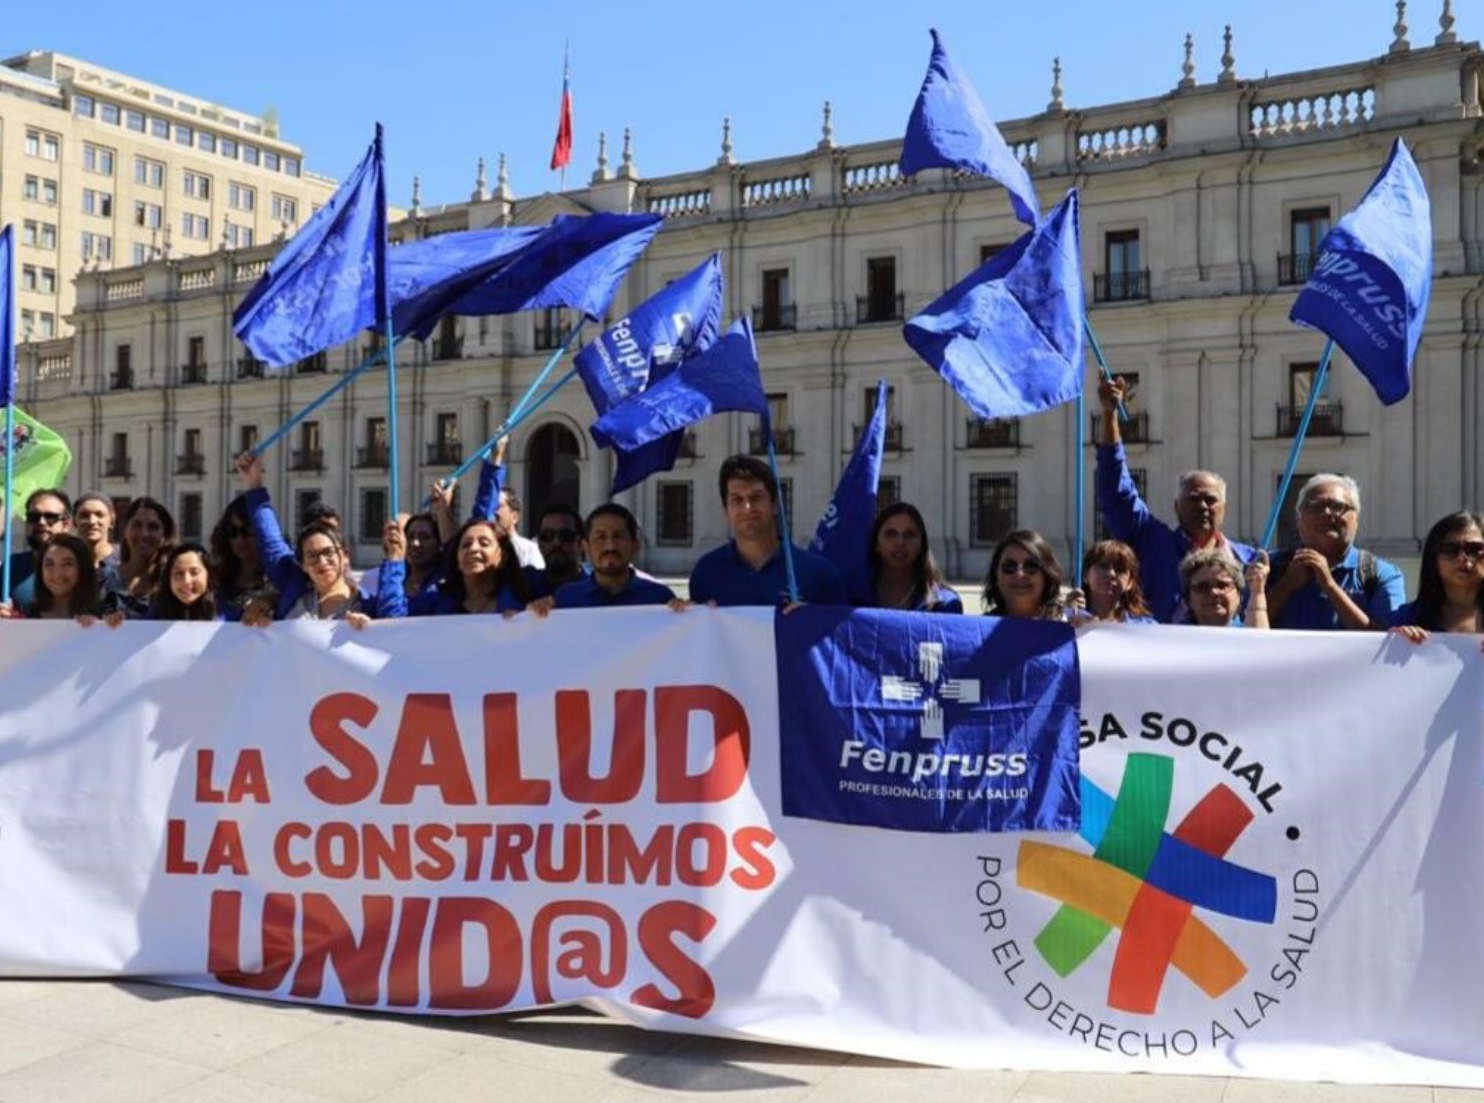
(1315,388)
(788,544)
(345,381)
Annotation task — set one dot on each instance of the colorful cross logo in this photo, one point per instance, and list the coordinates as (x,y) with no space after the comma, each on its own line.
(1147,883)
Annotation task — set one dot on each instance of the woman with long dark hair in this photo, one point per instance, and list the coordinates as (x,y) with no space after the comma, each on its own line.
(1450,590)
(483,575)
(904,574)
(236,564)
(1024,579)
(186,591)
(147,534)
(67,581)
(1110,584)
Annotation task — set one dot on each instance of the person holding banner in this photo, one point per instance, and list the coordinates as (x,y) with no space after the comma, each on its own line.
(1327,583)
(148,534)
(483,574)
(1025,579)
(1211,589)
(903,571)
(48,513)
(1200,510)
(611,539)
(93,518)
(237,566)
(1450,590)
(67,583)
(1110,584)
(186,590)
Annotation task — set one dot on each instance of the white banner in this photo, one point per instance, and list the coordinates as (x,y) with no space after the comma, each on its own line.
(1279,872)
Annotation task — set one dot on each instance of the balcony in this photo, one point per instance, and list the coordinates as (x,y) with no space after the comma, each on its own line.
(1133,431)
(1295,268)
(894,436)
(783,442)
(374,456)
(1120,287)
(879,308)
(317,364)
(193,373)
(117,467)
(121,380)
(249,367)
(1000,432)
(774,319)
(1328,420)
(446,453)
(190,463)
(307,459)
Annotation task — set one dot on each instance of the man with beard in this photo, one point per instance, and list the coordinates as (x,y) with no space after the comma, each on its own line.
(611,539)
(559,536)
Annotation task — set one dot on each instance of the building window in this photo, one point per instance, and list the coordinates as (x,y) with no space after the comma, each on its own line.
(82,106)
(240,197)
(149,215)
(551,328)
(229,148)
(97,202)
(109,113)
(239,237)
(123,368)
(148,172)
(197,185)
(134,120)
(894,434)
(888,491)
(783,436)
(47,284)
(777,311)
(249,154)
(1328,418)
(304,501)
(675,514)
(270,160)
(447,449)
(97,159)
(139,254)
(992,250)
(310,455)
(1123,276)
(47,324)
(192,460)
(190,516)
(196,226)
(247,438)
(43,144)
(285,209)
(992,508)
(41,189)
(160,128)
(881,302)
(184,136)
(97,246)
(291,166)
(376,451)
(373,512)
(116,465)
(28,277)
(1306,229)
(205,142)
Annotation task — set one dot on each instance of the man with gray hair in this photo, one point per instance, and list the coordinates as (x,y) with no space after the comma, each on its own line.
(1327,583)
(1200,508)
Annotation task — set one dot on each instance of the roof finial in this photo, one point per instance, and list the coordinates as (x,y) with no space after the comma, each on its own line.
(1187,67)
(417,196)
(602,173)
(1399,44)
(1228,73)
(1055,104)
(726,157)
(1445,21)
(481,187)
(827,131)
(626,170)
(502,181)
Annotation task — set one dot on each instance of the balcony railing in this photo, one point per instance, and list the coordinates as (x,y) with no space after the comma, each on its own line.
(193,373)
(446,453)
(249,367)
(688,446)
(879,308)
(1328,420)
(773,319)
(1119,287)
(894,436)
(1133,431)
(994,433)
(121,380)
(117,467)
(307,459)
(190,463)
(316,364)
(783,442)
(374,455)
(1295,268)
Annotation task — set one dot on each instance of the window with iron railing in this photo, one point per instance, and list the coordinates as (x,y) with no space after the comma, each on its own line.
(1307,227)
(1000,432)
(675,514)
(1123,277)
(993,508)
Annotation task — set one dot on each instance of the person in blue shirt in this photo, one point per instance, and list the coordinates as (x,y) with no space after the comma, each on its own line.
(903,571)
(483,574)
(1327,583)
(1450,585)
(1025,580)
(749,568)
(1110,584)
(559,536)
(611,539)
(1200,510)
(1211,584)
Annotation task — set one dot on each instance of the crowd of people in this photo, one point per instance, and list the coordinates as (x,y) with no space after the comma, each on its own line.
(1147,571)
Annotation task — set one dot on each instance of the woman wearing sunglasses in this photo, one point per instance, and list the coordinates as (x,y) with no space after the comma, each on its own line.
(1450,590)
(236,564)
(1024,579)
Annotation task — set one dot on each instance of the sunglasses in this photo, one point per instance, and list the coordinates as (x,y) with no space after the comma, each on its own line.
(38,517)
(1027,567)
(1470,549)
(554,536)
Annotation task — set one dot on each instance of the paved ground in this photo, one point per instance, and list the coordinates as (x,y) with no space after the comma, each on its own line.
(101,1042)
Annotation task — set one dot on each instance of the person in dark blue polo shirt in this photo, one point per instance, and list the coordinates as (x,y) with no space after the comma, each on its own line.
(611,538)
(749,569)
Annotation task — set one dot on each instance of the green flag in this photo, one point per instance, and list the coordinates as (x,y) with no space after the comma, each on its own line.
(41,459)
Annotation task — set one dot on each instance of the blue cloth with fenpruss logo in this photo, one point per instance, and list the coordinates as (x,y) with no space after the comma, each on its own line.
(921,723)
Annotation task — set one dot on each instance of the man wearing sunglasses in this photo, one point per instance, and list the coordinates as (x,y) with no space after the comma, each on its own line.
(48,512)
(559,536)
(1327,583)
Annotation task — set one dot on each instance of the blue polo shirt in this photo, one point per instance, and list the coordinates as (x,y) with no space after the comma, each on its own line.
(585,593)
(1159,546)
(723,576)
(1309,608)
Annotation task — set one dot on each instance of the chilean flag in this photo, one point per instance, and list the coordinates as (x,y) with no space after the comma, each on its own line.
(561,151)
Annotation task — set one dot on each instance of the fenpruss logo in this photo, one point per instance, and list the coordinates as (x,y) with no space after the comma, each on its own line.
(932,691)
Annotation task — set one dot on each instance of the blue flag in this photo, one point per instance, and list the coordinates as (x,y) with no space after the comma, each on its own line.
(725,377)
(329,282)
(844,532)
(922,723)
(425,278)
(1008,337)
(681,320)
(7,315)
(1369,289)
(950,128)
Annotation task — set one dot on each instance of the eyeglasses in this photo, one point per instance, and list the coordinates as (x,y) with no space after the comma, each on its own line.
(558,536)
(1469,549)
(1028,567)
(322,555)
(1213,586)
(1328,506)
(39,517)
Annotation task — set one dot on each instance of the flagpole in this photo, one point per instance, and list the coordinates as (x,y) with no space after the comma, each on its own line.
(9,509)
(279,433)
(1103,369)
(1298,444)
(788,544)
(556,356)
(391,416)
(1079,486)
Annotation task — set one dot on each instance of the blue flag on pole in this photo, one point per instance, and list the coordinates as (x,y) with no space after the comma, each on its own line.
(951,128)
(1008,337)
(923,723)
(681,320)
(427,277)
(7,315)
(844,532)
(329,282)
(726,377)
(1369,288)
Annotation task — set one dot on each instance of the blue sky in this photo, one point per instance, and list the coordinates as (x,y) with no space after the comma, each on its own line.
(453,80)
